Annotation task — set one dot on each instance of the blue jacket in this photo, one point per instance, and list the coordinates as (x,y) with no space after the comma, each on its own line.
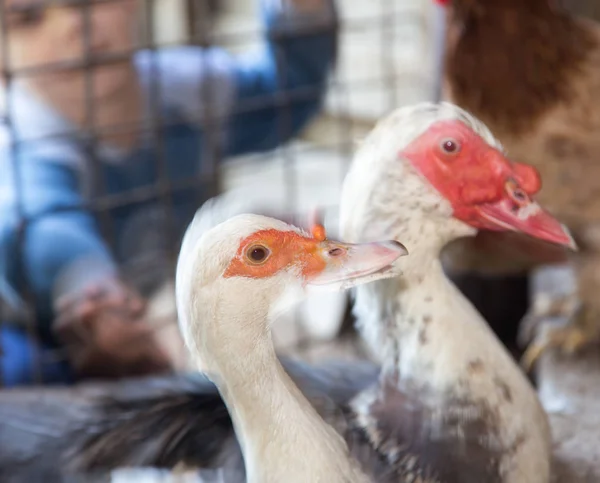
(257,101)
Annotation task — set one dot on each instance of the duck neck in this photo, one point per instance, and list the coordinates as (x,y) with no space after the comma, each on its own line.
(280,432)
(423,328)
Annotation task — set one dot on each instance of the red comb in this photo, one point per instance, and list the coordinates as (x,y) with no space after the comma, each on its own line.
(528,177)
(443,3)
(317,228)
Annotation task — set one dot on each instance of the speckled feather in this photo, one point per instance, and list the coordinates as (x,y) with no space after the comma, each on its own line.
(449,394)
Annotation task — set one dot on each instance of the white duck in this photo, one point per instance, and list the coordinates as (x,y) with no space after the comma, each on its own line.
(231,282)
(450,404)
(428,175)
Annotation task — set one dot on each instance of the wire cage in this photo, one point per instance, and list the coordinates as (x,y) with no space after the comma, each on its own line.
(386,58)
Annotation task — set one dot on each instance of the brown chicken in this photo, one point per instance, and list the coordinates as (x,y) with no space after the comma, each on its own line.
(531,71)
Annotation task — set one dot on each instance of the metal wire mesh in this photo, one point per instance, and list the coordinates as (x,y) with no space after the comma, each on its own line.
(385,61)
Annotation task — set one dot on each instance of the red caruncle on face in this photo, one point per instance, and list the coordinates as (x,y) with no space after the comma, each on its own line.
(468,172)
(484,188)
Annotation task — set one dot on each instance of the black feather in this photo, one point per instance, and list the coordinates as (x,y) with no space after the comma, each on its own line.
(55,434)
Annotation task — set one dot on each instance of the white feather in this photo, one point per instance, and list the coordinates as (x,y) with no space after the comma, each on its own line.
(384,197)
(226,323)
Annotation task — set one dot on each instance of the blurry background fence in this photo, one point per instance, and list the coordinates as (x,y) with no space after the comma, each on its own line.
(387,58)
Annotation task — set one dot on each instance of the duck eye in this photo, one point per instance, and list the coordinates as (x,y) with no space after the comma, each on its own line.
(450,146)
(257,254)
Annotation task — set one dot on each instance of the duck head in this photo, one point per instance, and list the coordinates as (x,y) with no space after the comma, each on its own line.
(435,170)
(233,279)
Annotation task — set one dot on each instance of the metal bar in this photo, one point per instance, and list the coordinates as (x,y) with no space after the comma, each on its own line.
(284,115)
(146,193)
(275,100)
(388,23)
(438,47)
(25,290)
(346,127)
(210,122)
(222,39)
(163,183)
(91,141)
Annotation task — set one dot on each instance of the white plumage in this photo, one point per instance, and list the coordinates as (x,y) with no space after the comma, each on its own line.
(225,322)
(424,331)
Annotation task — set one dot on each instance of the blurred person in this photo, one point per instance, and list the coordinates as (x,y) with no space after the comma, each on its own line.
(139,108)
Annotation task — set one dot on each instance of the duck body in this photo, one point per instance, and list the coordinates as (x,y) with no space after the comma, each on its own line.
(463,411)
(449,393)
(231,283)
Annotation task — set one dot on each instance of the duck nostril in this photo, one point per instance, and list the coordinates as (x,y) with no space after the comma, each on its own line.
(336,252)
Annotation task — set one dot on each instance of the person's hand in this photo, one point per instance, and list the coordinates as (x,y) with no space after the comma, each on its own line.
(105,334)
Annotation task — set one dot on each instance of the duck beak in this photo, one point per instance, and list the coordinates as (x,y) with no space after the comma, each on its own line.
(530,219)
(347,265)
